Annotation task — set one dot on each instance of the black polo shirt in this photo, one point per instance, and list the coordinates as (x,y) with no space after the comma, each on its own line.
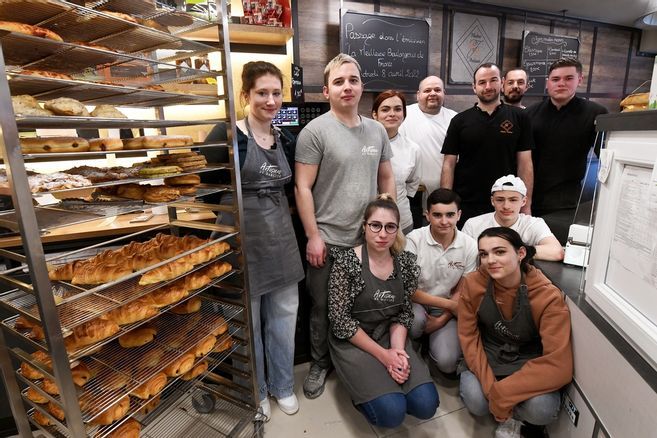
(563,139)
(487,147)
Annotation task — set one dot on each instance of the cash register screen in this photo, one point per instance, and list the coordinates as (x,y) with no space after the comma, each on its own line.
(287,116)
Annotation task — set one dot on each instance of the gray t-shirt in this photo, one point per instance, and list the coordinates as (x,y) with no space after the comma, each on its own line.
(348,160)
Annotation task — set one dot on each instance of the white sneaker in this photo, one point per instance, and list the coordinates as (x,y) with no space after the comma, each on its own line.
(264,411)
(509,429)
(289,405)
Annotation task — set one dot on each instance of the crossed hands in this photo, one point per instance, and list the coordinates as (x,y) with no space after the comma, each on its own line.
(396,362)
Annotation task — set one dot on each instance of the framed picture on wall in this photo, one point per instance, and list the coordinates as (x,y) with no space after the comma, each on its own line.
(474,41)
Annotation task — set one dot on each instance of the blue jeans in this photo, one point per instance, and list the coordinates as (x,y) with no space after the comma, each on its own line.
(539,410)
(389,410)
(274,317)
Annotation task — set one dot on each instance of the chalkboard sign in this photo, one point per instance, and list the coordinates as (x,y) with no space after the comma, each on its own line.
(297,83)
(393,51)
(539,51)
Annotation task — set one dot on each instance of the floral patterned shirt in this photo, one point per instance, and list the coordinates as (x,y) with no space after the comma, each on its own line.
(346,282)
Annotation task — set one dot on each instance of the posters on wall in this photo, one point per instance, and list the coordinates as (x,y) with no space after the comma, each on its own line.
(475,40)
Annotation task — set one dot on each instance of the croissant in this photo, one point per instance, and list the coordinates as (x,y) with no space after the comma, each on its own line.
(113,413)
(165,272)
(222,327)
(65,272)
(36,396)
(23,323)
(91,273)
(108,256)
(150,359)
(28,371)
(167,295)
(41,419)
(180,366)
(129,429)
(196,280)
(190,242)
(151,387)
(196,371)
(37,333)
(91,332)
(190,306)
(143,260)
(130,249)
(132,312)
(56,411)
(205,346)
(137,337)
(217,269)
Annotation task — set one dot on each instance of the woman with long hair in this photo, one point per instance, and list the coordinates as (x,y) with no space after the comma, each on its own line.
(370,313)
(514,329)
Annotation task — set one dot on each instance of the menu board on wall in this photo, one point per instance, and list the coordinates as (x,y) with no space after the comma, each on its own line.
(540,50)
(393,51)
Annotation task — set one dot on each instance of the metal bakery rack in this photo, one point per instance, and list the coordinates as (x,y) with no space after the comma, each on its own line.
(125,60)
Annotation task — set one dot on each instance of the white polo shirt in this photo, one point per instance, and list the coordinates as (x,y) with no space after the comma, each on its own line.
(441,268)
(531,229)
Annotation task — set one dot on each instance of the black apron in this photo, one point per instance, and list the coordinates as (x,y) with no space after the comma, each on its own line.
(375,308)
(272,253)
(508,343)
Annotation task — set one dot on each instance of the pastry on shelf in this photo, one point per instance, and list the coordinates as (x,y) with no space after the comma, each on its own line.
(167,295)
(196,280)
(99,273)
(90,332)
(151,387)
(128,429)
(150,406)
(121,15)
(42,145)
(47,74)
(81,376)
(105,144)
(186,161)
(196,371)
(27,105)
(41,418)
(113,413)
(132,312)
(180,366)
(113,381)
(29,372)
(158,141)
(36,396)
(205,346)
(137,337)
(158,171)
(221,326)
(224,344)
(66,106)
(217,269)
(131,191)
(166,272)
(160,194)
(22,323)
(190,306)
(27,29)
(108,112)
(150,358)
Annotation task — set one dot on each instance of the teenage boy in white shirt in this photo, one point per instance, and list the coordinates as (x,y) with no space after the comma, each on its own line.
(444,254)
(508,195)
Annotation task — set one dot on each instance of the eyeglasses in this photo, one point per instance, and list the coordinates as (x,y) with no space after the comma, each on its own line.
(375,227)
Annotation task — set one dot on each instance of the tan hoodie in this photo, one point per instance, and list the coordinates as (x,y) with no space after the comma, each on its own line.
(544,374)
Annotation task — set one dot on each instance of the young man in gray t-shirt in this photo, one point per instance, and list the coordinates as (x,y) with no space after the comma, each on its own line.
(341,160)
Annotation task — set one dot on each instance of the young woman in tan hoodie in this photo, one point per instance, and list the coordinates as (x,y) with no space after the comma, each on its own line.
(514,329)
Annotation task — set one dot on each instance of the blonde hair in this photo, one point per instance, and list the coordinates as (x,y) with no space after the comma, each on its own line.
(385,201)
(337,62)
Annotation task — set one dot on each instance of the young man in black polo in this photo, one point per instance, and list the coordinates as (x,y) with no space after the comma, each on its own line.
(491,139)
(563,126)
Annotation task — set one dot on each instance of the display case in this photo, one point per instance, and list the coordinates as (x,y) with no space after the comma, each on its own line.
(621,281)
(146,333)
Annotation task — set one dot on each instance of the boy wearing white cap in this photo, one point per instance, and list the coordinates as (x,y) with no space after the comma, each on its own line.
(508,195)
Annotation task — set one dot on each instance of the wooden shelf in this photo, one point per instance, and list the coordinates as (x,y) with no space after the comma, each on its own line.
(245,34)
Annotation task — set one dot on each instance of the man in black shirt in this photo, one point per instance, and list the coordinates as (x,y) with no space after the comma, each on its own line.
(564,131)
(491,139)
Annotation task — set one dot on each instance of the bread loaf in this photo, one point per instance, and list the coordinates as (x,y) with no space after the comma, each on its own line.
(151,387)
(190,306)
(113,413)
(39,145)
(27,105)
(196,280)
(132,312)
(91,273)
(167,295)
(129,429)
(180,366)
(131,191)
(191,179)
(28,29)
(160,194)
(196,371)
(105,144)
(137,337)
(108,112)
(205,346)
(65,106)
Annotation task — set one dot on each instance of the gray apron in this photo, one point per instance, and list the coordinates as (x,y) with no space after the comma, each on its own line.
(508,343)
(375,308)
(272,253)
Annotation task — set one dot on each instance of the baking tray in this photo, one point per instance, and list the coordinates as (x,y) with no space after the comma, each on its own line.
(48,218)
(63,122)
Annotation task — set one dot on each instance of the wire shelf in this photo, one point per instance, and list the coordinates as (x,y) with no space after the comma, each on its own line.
(63,122)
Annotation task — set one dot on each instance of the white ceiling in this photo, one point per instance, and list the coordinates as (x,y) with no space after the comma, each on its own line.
(621,12)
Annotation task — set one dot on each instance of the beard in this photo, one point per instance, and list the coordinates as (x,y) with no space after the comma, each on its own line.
(493,98)
(512,98)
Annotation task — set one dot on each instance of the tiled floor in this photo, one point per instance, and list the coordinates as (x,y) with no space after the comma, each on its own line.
(333,416)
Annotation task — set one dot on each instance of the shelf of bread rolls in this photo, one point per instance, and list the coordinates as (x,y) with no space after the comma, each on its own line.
(178,350)
(82,308)
(72,122)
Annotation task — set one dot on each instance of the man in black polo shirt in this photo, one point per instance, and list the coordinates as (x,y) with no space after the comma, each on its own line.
(491,139)
(564,131)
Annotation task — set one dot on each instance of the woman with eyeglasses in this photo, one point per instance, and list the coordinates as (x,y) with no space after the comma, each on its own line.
(514,328)
(370,313)
(389,109)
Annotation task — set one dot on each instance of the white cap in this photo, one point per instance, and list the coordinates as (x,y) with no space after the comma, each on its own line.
(509,182)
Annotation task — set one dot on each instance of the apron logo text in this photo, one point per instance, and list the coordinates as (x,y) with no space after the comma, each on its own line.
(383,296)
(503,330)
(270,170)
